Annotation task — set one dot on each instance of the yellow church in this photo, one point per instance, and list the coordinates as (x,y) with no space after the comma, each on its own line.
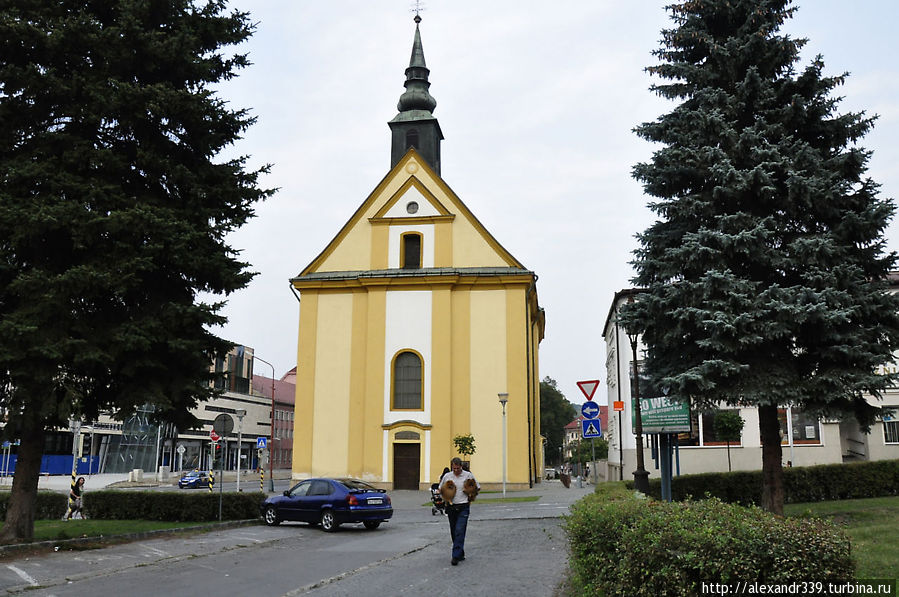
(413,321)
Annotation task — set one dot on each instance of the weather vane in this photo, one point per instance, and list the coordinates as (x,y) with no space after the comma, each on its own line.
(417,7)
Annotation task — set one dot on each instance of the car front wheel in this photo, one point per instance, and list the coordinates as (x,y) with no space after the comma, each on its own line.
(271,516)
(371,524)
(329,523)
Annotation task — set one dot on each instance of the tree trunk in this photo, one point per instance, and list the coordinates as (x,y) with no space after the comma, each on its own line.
(19,526)
(772,469)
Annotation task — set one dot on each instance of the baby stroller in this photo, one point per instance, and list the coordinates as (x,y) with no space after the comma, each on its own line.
(437,503)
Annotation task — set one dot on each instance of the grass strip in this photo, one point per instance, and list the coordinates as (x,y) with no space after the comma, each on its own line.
(873,528)
(54,530)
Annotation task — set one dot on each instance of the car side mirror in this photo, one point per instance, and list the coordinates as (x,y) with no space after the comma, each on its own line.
(287,492)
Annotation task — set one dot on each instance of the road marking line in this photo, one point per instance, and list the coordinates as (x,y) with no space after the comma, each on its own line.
(248,538)
(158,552)
(24,575)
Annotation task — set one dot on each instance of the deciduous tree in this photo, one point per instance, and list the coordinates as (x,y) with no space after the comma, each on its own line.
(728,427)
(555,412)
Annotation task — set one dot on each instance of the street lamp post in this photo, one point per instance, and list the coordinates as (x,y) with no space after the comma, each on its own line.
(240,414)
(271,470)
(503,398)
(641,475)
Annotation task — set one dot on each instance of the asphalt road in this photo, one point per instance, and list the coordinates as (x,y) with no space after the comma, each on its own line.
(511,548)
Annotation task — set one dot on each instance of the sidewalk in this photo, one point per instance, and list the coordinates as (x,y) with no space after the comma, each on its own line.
(103,480)
(64,482)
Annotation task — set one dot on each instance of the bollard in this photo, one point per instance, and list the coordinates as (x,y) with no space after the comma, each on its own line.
(262,480)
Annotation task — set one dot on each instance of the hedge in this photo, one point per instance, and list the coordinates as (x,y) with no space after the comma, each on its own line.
(193,506)
(48,505)
(819,483)
(646,547)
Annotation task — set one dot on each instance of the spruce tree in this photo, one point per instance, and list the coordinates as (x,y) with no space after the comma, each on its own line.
(765,274)
(114,212)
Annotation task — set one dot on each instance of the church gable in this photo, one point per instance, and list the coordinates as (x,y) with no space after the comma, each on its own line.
(412,200)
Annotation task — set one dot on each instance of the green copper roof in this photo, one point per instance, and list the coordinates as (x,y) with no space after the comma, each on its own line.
(416,96)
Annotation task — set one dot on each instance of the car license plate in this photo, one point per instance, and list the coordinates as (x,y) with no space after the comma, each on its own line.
(375,501)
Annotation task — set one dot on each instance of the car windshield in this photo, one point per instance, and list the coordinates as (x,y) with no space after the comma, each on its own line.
(192,474)
(356,484)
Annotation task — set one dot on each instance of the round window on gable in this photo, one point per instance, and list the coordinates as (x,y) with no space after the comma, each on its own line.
(412,207)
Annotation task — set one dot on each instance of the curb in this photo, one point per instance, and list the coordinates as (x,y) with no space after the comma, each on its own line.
(13,550)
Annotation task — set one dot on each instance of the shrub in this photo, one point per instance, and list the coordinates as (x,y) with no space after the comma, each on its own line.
(655,548)
(801,484)
(48,505)
(199,506)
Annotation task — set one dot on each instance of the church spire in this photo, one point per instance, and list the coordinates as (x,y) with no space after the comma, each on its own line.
(417,96)
(415,125)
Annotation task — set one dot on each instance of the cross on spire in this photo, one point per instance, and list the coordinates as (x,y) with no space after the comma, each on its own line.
(417,7)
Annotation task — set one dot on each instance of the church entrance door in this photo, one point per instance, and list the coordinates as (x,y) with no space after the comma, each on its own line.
(406,466)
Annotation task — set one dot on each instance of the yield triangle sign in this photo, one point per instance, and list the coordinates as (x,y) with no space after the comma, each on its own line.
(588,387)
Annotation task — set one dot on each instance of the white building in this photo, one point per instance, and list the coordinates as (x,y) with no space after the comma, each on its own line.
(806,441)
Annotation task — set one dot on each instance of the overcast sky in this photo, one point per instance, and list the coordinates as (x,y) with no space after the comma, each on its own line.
(537,101)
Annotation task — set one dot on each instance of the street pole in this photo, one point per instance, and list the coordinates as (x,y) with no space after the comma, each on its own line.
(620,450)
(75,426)
(503,398)
(641,475)
(240,413)
(271,439)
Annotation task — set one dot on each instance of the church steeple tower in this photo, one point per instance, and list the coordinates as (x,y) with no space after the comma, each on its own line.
(415,125)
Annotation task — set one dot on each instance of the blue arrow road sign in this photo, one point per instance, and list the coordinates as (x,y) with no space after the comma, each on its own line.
(590,410)
(260,443)
(591,428)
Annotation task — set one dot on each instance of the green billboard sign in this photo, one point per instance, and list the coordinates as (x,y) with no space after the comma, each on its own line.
(663,415)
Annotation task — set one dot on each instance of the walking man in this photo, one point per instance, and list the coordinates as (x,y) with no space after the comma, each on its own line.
(458,488)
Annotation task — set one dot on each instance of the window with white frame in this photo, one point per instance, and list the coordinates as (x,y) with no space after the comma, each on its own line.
(803,428)
(891,431)
(702,430)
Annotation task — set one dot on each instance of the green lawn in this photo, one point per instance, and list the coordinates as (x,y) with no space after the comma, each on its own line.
(873,528)
(51,530)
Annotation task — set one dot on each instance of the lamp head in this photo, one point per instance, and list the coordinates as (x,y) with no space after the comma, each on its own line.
(503,398)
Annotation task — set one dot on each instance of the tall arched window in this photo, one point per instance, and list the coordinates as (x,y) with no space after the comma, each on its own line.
(407,381)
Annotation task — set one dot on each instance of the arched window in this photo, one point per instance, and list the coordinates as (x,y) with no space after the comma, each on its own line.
(411,250)
(407,381)
(412,139)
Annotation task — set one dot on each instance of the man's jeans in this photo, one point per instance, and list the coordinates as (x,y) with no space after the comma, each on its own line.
(458,521)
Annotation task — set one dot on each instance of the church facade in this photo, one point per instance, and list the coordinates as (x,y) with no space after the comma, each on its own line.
(413,320)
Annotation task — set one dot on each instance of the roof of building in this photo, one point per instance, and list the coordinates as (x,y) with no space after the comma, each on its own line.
(285,392)
(416,273)
(290,376)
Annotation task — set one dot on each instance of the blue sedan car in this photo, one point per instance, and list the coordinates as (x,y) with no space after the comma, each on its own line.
(195,479)
(330,503)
